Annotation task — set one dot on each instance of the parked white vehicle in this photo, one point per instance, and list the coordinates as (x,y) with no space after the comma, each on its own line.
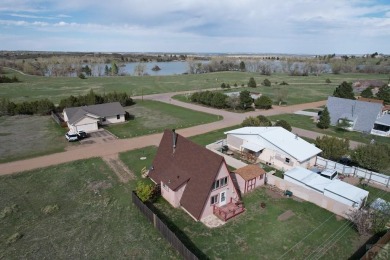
(71,137)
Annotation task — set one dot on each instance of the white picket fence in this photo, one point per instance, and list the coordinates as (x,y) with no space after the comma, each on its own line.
(369,176)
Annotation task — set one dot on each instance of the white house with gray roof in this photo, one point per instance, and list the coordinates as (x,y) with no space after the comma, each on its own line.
(382,126)
(274,146)
(88,118)
(361,115)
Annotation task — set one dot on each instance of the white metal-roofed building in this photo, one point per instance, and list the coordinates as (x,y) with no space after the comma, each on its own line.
(274,146)
(335,189)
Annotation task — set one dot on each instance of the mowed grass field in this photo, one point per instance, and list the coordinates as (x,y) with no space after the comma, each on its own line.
(310,88)
(154,117)
(24,137)
(77,210)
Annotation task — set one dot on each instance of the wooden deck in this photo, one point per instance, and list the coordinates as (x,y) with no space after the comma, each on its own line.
(228,211)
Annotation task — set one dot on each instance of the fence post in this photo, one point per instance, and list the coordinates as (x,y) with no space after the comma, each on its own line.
(388,181)
(369,178)
(154,220)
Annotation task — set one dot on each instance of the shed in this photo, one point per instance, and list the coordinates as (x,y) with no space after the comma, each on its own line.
(249,177)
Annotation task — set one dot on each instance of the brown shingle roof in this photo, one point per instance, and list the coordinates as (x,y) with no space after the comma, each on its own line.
(191,164)
(250,171)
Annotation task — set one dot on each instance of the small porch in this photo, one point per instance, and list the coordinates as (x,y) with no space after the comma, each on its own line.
(230,210)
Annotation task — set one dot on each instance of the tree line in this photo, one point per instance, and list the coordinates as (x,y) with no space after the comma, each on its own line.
(242,100)
(45,106)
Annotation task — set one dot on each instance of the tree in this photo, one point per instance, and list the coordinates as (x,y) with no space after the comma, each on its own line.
(139,69)
(250,121)
(267,83)
(242,66)
(332,148)
(284,124)
(223,85)
(263,102)
(344,90)
(327,81)
(218,100)
(264,121)
(324,121)
(281,94)
(82,76)
(106,70)
(374,156)
(367,93)
(233,101)
(114,69)
(144,191)
(252,83)
(384,94)
(245,99)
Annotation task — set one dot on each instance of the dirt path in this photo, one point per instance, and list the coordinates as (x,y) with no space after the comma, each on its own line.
(114,147)
(120,169)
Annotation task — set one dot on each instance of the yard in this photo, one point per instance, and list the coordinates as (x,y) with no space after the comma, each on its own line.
(77,210)
(56,88)
(154,117)
(258,233)
(29,136)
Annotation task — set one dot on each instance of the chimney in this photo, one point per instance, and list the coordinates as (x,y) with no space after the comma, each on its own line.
(173,140)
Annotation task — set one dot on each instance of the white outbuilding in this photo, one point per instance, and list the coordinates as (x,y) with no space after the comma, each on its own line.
(335,189)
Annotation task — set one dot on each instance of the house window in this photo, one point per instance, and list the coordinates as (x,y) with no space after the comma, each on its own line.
(287,160)
(251,184)
(219,183)
(261,177)
(214,199)
(118,116)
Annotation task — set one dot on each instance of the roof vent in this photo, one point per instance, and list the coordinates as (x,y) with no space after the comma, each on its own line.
(173,140)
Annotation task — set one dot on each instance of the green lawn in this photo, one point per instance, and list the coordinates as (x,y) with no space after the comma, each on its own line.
(306,122)
(56,88)
(89,215)
(258,234)
(154,117)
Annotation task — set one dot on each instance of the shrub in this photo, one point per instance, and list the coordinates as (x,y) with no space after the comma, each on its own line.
(283,83)
(223,85)
(250,121)
(284,124)
(264,121)
(263,102)
(267,82)
(327,81)
(82,76)
(144,191)
(252,83)
(50,209)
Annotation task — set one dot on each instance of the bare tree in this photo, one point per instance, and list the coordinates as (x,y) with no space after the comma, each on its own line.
(233,101)
(139,69)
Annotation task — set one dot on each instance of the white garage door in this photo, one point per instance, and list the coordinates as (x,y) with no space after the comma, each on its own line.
(88,127)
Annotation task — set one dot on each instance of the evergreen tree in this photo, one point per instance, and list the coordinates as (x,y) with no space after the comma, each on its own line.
(242,66)
(324,121)
(106,70)
(384,94)
(264,121)
(263,102)
(245,99)
(284,124)
(333,148)
(344,90)
(252,83)
(367,93)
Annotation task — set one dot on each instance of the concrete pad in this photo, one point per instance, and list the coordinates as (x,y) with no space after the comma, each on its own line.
(212,221)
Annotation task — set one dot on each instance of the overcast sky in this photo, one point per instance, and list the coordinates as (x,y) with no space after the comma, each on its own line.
(245,26)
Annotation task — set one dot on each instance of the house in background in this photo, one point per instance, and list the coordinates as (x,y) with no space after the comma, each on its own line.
(335,189)
(360,115)
(249,177)
(382,126)
(273,146)
(88,118)
(194,179)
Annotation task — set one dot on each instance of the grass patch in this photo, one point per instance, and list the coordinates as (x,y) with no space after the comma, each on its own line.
(306,122)
(63,212)
(56,88)
(154,117)
(29,136)
(258,234)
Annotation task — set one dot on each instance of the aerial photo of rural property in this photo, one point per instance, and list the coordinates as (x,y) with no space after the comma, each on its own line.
(195,129)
